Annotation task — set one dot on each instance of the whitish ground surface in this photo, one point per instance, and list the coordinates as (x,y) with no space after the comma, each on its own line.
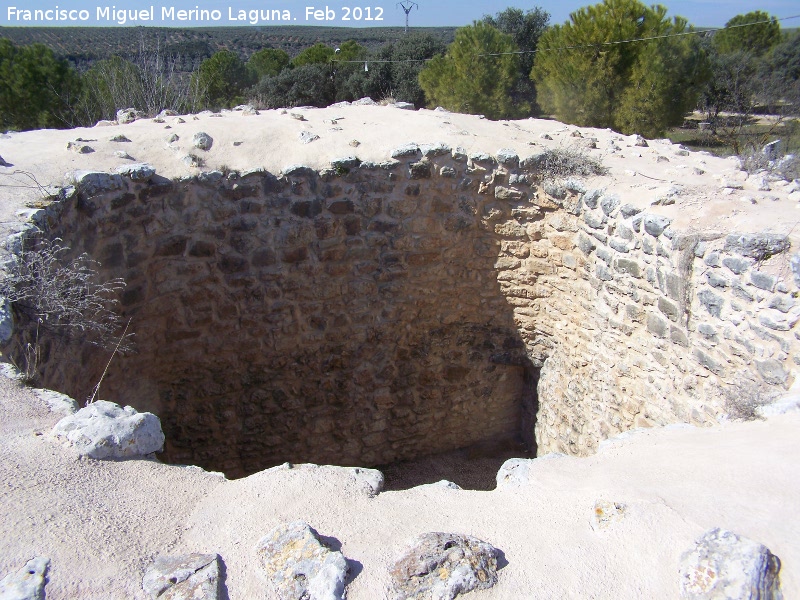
(101,523)
(271,140)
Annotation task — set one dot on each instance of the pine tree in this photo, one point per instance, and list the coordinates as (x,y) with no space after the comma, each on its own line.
(584,77)
(476,75)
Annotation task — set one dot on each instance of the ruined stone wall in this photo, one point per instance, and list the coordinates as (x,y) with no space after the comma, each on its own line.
(371,313)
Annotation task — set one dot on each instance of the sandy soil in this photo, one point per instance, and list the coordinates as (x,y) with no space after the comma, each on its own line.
(101,523)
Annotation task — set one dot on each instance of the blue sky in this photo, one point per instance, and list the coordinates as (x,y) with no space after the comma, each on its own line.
(709,13)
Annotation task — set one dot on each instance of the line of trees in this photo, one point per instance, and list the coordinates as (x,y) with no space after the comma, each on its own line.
(510,65)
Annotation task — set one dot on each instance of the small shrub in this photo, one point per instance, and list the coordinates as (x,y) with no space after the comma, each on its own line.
(787,167)
(744,398)
(62,295)
(558,164)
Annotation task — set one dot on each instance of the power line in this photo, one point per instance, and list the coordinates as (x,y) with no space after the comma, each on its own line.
(599,44)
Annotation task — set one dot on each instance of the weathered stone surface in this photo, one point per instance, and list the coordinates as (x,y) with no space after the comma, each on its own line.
(776,320)
(795,263)
(716,280)
(772,371)
(592,220)
(763,281)
(783,303)
(299,566)
(57,402)
(420,170)
(405,151)
(655,224)
(712,302)
(757,245)
(202,141)
(433,150)
(105,430)
(631,267)
(79,148)
(736,265)
(508,158)
(591,198)
(725,566)
(137,172)
(92,183)
(28,583)
(629,210)
(609,203)
(187,577)
(606,513)
(440,566)
(345,162)
(306,137)
(128,115)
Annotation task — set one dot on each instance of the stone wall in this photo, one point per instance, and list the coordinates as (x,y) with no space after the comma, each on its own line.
(370,313)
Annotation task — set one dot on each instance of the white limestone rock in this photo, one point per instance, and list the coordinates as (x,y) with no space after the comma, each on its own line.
(128,115)
(92,183)
(725,566)
(298,566)
(190,576)
(57,402)
(104,430)
(202,141)
(28,583)
(137,172)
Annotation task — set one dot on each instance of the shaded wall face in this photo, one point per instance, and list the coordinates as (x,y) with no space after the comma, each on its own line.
(356,320)
(405,309)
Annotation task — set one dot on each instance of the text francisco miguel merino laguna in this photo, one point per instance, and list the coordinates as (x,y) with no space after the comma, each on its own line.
(121,16)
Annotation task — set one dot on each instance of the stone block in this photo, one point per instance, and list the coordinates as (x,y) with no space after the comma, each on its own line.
(609,203)
(713,259)
(716,280)
(759,246)
(586,244)
(736,264)
(420,170)
(772,371)
(783,303)
(619,244)
(592,220)
(605,255)
(591,198)
(670,309)
(603,272)
(657,326)
(712,302)
(763,281)
(678,336)
(629,210)
(628,266)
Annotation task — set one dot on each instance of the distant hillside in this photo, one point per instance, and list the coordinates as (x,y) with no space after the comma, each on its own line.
(84,45)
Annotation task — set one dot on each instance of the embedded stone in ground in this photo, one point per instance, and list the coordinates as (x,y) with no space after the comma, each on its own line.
(28,583)
(299,566)
(440,566)
(186,577)
(725,566)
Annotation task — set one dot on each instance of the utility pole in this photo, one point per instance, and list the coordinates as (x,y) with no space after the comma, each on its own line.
(407,5)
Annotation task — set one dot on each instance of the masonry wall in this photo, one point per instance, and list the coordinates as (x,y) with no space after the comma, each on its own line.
(371,313)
